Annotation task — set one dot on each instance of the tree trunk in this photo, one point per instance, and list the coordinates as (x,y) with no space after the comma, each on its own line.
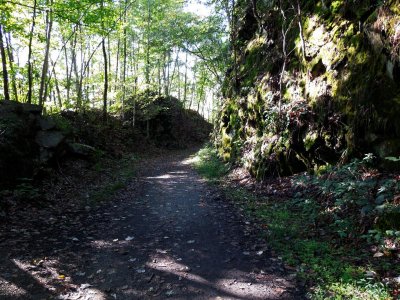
(49,25)
(147,70)
(164,71)
(103,45)
(4,66)
(116,77)
(105,80)
(185,84)
(74,68)
(173,71)
(124,61)
(30,64)
(159,88)
(57,88)
(11,61)
(68,75)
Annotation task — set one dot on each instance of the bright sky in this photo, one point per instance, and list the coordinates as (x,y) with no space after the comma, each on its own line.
(197,7)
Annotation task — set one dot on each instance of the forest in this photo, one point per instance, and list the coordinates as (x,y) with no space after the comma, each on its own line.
(199,149)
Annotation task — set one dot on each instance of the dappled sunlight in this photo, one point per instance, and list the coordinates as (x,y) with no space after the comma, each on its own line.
(48,276)
(232,282)
(32,269)
(190,161)
(164,241)
(7,289)
(102,244)
(165,176)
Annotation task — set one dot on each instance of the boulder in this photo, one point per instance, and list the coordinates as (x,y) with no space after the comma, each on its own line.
(81,149)
(47,123)
(49,139)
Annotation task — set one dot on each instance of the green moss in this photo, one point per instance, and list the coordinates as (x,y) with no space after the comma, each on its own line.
(336,6)
(395,6)
(309,139)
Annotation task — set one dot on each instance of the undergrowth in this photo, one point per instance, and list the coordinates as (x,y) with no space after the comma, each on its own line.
(338,231)
(208,164)
(122,172)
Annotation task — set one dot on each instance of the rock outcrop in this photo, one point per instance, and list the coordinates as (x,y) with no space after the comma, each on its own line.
(312,83)
(28,141)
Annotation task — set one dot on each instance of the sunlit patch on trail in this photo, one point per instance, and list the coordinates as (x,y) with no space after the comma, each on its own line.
(46,273)
(190,161)
(236,283)
(165,176)
(8,289)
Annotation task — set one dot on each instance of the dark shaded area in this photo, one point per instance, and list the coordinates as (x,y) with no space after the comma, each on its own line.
(164,121)
(31,142)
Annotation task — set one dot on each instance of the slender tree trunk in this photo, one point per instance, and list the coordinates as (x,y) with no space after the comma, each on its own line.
(109,62)
(49,25)
(46,90)
(124,61)
(103,45)
(116,77)
(110,100)
(303,44)
(68,75)
(166,92)
(178,80)
(185,83)
(30,64)
(164,71)
(11,61)
(255,13)
(192,96)
(57,87)
(159,77)
(4,66)
(147,71)
(173,71)
(105,80)
(233,41)
(74,68)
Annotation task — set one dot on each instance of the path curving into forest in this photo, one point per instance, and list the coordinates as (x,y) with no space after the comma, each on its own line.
(168,235)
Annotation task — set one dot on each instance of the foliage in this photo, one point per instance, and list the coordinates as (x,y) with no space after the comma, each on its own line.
(208,164)
(145,45)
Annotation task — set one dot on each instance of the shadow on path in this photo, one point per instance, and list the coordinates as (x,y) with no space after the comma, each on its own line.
(167,236)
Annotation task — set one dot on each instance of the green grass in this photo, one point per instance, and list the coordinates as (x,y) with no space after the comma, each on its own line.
(326,267)
(208,164)
(330,269)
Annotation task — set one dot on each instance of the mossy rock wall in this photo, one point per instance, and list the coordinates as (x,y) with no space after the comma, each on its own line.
(338,97)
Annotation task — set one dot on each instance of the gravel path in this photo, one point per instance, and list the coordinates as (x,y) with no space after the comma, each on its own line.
(168,235)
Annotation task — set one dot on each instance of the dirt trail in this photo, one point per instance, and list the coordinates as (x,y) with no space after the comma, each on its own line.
(166,236)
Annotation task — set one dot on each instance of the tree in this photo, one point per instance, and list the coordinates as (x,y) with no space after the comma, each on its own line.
(49,25)
(99,53)
(30,63)
(4,66)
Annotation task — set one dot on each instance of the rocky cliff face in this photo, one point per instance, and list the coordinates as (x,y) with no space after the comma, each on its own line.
(312,82)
